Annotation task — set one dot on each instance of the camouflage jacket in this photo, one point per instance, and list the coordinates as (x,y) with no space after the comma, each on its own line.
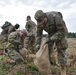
(8,30)
(31,28)
(15,40)
(55,27)
(11,29)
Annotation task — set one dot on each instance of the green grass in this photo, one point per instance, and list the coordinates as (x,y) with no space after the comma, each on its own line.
(5,68)
(32,67)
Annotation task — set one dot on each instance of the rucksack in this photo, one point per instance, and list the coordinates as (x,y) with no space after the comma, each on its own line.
(6,25)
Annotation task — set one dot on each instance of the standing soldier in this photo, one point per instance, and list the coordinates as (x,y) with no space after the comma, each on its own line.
(31,32)
(54,25)
(15,44)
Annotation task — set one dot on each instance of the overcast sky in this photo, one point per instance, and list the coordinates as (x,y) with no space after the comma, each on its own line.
(16,11)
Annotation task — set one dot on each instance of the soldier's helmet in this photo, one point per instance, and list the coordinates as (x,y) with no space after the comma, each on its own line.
(17,26)
(39,15)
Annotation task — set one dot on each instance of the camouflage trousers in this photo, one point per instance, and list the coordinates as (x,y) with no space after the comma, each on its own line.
(61,52)
(29,43)
(14,55)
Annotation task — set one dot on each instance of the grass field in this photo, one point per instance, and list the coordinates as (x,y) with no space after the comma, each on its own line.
(31,69)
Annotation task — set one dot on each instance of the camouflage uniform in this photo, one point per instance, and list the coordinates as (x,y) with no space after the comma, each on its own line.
(8,29)
(5,30)
(56,29)
(31,32)
(15,43)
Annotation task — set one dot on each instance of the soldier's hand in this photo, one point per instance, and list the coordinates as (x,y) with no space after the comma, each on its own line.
(49,41)
(52,37)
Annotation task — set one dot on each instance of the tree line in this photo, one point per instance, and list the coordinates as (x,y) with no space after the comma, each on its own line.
(69,35)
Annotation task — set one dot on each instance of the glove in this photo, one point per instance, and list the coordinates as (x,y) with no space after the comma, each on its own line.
(37,47)
(49,41)
(53,38)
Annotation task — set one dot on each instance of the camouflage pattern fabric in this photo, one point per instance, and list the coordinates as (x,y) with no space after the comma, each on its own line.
(7,31)
(29,43)
(57,31)
(14,55)
(14,44)
(31,33)
(31,28)
(11,29)
(14,38)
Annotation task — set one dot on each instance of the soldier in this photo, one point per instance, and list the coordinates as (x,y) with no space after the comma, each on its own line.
(31,30)
(15,44)
(13,28)
(54,25)
(8,28)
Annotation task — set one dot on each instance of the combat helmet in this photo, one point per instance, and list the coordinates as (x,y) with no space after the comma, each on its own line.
(17,26)
(39,15)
